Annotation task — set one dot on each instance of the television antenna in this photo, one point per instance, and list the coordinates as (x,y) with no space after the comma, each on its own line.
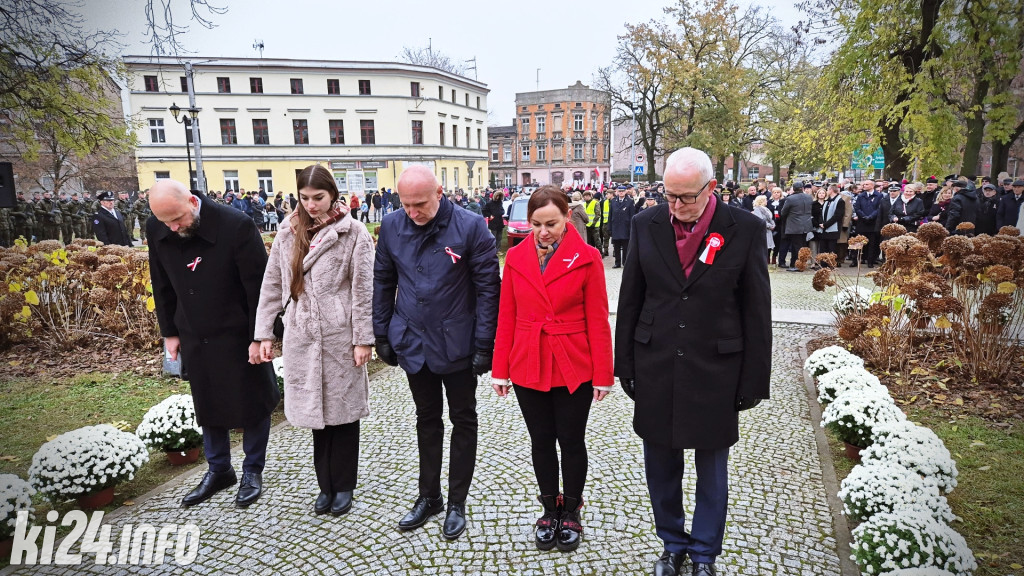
(473,67)
(258,45)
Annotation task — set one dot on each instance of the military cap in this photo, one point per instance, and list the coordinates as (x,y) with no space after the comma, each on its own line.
(104,195)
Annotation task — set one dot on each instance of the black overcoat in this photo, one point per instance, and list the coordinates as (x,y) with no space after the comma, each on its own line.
(694,344)
(109,229)
(207,289)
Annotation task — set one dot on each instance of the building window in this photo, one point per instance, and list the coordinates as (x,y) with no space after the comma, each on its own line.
(557,152)
(333,86)
(453,95)
(260,132)
(366,132)
(477,102)
(468,132)
(156,130)
(188,133)
(525,131)
(337,129)
(184,84)
(231,180)
(754,173)
(455,136)
(479,139)
(467,99)
(440,92)
(417,131)
(557,106)
(541,125)
(296,85)
(494,153)
(162,175)
(223,85)
(444,178)
(508,155)
(455,177)
(228,135)
(542,153)
(577,151)
(414,89)
(442,133)
(151,84)
(256,85)
(593,151)
(526,152)
(364,87)
(577,122)
(300,131)
(266,180)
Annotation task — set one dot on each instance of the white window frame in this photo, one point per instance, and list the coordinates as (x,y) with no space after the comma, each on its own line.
(494,153)
(541,124)
(524,127)
(542,153)
(266,182)
(577,122)
(455,177)
(508,154)
(577,151)
(231,180)
(157,134)
(526,153)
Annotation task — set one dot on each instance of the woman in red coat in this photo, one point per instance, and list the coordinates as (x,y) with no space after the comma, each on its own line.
(554,343)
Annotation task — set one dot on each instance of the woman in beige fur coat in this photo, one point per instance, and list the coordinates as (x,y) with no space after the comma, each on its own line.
(321,266)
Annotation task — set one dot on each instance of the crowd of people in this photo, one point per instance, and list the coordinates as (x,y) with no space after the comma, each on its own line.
(72,215)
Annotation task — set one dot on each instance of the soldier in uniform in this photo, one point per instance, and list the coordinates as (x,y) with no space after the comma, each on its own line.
(5,227)
(23,218)
(66,224)
(124,206)
(78,216)
(142,212)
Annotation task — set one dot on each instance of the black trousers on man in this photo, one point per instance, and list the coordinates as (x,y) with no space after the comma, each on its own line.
(217,447)
(619,249)
(795,243)
(558,417)
(460,388)
(873,249)
(336,457)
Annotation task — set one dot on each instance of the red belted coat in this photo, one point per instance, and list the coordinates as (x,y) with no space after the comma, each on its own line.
(553,327)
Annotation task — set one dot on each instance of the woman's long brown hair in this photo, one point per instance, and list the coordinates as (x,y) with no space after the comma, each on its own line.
(318,178)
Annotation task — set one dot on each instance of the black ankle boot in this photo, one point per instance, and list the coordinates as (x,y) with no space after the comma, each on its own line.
(547,524)
(570,531)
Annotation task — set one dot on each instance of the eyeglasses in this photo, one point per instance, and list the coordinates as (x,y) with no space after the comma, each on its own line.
(686,198)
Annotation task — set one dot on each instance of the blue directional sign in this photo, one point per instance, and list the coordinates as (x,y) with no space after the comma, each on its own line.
(638,170)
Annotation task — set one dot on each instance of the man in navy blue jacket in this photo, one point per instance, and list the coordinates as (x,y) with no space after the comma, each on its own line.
(435,312)
(866,208)
(1009,205)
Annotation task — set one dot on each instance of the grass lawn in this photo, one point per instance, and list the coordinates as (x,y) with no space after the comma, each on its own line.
(34,409)
(989,497)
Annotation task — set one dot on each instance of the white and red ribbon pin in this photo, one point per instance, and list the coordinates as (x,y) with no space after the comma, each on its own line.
(192,265)
(455,257)
(712,245)
(571,261)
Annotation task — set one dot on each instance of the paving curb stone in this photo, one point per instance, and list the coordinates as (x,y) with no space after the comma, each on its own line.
(844,540)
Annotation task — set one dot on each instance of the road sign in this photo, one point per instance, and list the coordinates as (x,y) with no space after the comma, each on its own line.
(638,170)
(865,159)
(640,158)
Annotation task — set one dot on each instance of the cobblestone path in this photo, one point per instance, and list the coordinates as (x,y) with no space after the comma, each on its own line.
(779,519)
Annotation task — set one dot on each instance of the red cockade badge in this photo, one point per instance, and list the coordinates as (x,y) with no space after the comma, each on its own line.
(450,252)
(713,244)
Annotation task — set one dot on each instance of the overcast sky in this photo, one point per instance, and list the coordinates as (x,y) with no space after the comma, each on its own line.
(567,40)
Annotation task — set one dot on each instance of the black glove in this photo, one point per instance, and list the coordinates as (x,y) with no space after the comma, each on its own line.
(629,387)
(743,403)
(386,353)
(482,361)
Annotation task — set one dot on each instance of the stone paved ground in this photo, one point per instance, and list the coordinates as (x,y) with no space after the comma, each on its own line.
(779,520)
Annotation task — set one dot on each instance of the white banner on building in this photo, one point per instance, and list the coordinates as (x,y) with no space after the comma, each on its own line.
(356,181)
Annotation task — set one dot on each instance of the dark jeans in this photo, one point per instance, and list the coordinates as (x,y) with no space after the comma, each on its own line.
(460,387)
(664,467)
(558,417)
(794,242)
(825,245)
(619,248)
(497,237)
(217,445)
(873,249)
(336,457)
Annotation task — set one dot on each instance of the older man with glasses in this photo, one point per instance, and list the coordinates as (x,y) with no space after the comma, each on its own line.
(693,348)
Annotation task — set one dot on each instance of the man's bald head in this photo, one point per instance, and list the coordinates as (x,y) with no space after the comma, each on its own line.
(420,193)
(175,206)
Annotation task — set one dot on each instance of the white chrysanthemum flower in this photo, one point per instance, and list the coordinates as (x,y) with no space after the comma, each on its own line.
(916,448)
(855,412)
(171,425)
(15,496)
(830,358)
(887,487)
(86,460)
(845,378)
(923,543)
(851,299)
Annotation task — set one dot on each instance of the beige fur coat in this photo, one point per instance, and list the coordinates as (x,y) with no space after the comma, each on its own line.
(333,314)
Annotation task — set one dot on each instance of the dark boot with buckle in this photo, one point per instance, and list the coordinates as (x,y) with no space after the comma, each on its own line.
(570,531)
(547,524)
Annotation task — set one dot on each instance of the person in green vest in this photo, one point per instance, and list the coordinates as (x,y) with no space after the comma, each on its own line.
(595,214)
(142,212)
(6,227)
(606,209)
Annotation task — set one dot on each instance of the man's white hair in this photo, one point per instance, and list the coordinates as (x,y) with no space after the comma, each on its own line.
(691,159)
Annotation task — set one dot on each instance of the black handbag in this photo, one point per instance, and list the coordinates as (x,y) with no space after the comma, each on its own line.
(279,320)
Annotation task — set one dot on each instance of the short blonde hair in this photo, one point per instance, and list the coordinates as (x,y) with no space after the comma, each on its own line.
(761,201)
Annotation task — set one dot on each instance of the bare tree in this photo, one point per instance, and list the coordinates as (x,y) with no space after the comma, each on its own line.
(164,33)
(432,58)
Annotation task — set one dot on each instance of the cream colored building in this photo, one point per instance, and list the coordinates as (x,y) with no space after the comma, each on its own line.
(264,120)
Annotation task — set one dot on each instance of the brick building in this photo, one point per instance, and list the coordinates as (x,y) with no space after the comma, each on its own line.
(501,141)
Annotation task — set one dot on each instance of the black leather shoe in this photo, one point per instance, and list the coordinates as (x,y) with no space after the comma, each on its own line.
(454,521)
(323,503)
(548,523)
(704,569)
(423,508)
(570,528)
(249,489)
(341,503)
(211,483)
(668,564)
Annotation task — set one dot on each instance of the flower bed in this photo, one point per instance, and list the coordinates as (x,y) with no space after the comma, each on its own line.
(856,412)
(846,378)
(888,487)
(15,496)
(890,541)
(86,460)
(917,449)
(830,358)
(170,426)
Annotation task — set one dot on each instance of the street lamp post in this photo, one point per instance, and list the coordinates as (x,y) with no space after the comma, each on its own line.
(186,120)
